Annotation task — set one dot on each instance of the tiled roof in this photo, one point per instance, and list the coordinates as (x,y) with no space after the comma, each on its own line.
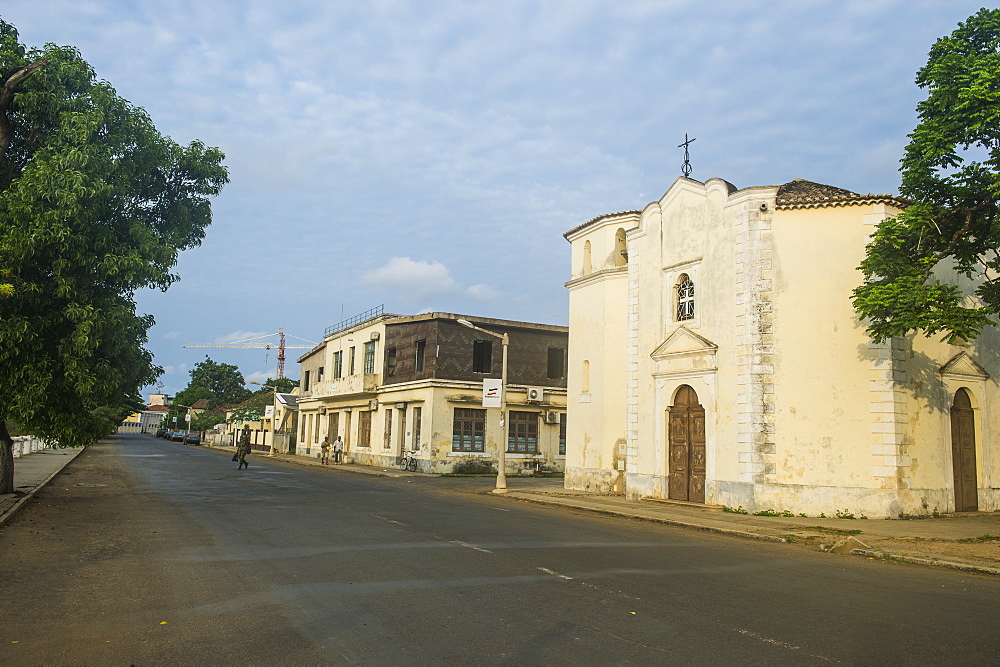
(598,218)
(157,408)
(200,404)
(801,193)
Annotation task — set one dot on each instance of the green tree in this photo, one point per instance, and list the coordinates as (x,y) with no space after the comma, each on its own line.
(951,173)
(94,204)
(223,382)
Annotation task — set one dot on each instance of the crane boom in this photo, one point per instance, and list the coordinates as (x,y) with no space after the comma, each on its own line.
(246,344)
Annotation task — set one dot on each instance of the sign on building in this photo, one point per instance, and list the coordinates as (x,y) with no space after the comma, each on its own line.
(492,393)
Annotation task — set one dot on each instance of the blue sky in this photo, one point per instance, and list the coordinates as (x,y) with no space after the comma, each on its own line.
(429,155)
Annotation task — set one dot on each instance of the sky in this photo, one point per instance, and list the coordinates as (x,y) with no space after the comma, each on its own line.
(428,155)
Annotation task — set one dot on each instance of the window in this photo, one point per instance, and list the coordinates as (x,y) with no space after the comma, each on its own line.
(587,261)
(685,298)
(557,355)
(305,381)
(468,432)
(418,361)
(621,250)
(388,429)
(338,364)
(585,382)
(523,435)
(364,429)
(370,357)
(562,434)
(350,363)
(482,356)
(390,361)
(416,429)
(319,374)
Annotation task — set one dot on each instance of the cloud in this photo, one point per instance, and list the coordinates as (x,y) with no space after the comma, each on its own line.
(173,335)
(414,279)
(240,336)
(482,292)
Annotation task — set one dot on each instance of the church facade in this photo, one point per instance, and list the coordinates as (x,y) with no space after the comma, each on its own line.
(715,358)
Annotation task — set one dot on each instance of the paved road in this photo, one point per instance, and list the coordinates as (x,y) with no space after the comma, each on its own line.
(145,551)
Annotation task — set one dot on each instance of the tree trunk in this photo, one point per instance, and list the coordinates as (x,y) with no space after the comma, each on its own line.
(6,460)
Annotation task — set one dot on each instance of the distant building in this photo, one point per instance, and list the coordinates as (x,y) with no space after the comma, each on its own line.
(148,420)
(716,358)
(391,384)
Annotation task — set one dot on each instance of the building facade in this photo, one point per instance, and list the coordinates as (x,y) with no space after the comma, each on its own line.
(715,357)
(393,384)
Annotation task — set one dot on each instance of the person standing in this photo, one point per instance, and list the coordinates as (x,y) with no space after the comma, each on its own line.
(242,449)
(324,452)
(338,450)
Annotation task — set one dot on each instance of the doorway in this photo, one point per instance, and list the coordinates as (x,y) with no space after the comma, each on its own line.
(686,435)
(963,453)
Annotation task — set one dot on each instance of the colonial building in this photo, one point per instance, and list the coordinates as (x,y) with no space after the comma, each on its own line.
(715,357)
(389,384)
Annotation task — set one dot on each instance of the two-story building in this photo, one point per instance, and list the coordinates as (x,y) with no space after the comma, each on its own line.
(391,384)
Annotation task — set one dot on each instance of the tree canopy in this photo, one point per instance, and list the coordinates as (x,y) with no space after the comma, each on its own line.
(94,204)
(219,384)
(951,174)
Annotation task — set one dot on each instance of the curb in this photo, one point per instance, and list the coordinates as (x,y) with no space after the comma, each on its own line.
(927,560)
(31,494)
(669,522)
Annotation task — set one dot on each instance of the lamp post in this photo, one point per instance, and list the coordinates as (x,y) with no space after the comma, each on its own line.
(502,448)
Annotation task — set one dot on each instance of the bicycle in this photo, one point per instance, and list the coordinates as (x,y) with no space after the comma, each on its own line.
(408,462)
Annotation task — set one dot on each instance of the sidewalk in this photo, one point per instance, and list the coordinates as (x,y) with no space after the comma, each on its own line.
(31,473)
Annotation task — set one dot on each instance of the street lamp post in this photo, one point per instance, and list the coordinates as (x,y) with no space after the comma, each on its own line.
(502,447)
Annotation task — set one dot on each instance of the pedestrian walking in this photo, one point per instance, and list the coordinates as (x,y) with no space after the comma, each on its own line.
(338,450)
(324,452)
(242,449)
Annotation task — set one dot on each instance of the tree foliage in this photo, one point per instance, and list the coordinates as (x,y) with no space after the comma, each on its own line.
(94,204)
(951,173)
(217,383)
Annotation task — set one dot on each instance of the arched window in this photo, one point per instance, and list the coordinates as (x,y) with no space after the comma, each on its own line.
(685,298)
(587,263)
(585,384)
(620,257)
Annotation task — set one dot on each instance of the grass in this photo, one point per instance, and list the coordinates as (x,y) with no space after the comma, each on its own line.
(982,538)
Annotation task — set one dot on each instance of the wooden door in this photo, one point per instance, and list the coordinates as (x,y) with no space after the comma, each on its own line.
(963,453)
(334,429)
(686,435)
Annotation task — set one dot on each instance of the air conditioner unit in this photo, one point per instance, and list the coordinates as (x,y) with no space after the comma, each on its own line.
(535,394)
(374,336)
(322,411)
(551,417)
(373,404)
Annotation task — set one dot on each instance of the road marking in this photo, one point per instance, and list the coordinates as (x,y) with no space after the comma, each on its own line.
(469,546)
(555,574)
(778,643)
(389,520)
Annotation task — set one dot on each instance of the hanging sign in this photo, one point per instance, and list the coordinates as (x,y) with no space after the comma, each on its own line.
(492,393)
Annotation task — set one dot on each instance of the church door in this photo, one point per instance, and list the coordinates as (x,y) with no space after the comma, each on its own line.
(963,453)
(686,419)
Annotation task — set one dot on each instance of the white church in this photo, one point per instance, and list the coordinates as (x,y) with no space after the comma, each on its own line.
(715,358)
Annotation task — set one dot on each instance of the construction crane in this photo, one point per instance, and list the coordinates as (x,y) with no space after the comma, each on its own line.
(249,344)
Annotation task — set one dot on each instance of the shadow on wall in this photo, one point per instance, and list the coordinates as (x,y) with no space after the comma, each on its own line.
(923,374)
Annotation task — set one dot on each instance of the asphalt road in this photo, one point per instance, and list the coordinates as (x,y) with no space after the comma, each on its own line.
(149,552)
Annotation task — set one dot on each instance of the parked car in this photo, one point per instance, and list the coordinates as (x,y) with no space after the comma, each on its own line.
(177,436)
(161,433)
(192,438)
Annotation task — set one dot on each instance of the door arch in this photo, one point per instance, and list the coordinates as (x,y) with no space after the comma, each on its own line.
(686,436)
(963,453)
